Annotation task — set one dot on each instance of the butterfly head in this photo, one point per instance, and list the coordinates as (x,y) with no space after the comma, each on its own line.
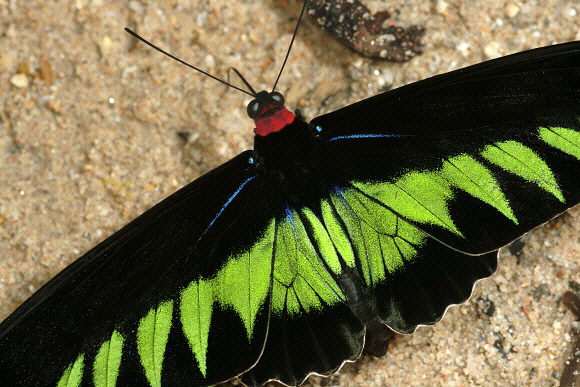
(269,113)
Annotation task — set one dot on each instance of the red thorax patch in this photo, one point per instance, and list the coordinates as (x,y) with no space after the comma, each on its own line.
(273,118)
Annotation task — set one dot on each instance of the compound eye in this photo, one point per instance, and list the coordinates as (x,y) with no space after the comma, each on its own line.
(253,109)
(277,97)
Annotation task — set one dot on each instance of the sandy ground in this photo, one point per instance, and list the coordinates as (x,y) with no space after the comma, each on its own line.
(89,140)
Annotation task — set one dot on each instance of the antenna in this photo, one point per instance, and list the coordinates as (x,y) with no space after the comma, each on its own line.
(252,92)
(291,43)
(191,66)
(242,78)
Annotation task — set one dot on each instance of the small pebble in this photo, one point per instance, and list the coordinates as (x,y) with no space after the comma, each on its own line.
(209,61)
(201,19)
(105,45)
(19,80)
(492,50)
(441,7)
(511,10)
(386,78)
(464,48)
(53,106)
(135,6)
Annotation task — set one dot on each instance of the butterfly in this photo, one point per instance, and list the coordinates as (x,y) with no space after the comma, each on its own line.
(293,257)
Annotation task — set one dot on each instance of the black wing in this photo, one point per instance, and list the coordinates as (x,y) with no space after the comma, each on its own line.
(483,154)
(122,312)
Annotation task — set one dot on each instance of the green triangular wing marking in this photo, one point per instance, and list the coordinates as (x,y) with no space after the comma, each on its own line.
(518,159)
(108,361)
(381,240)
(323,241)
(564,139)
(73,375)
(337,234)
(419,196)
(302,281)
(196,305)
(244,282)
(152,334)
(466,173)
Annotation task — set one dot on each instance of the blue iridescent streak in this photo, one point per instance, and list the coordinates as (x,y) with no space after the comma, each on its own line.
(290,218)
(374,135)
(336,190)
(340,195)
(288,213)
(226,204)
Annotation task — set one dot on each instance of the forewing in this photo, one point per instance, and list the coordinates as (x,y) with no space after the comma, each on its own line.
(180,296)
(475,157)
